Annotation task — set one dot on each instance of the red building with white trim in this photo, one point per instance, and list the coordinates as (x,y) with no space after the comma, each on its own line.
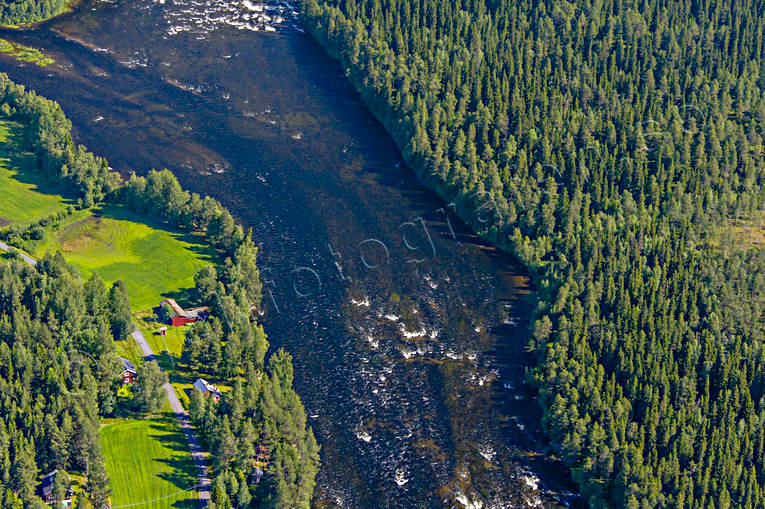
(128,372)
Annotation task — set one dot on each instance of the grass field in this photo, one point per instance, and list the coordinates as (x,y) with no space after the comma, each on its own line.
(154,262)
(168,349)
(172,342)
(22,199)
(148,461)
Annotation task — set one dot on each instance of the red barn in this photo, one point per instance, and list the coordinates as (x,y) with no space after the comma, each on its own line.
(179,316)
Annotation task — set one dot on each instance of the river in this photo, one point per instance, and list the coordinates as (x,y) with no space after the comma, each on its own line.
(408,332)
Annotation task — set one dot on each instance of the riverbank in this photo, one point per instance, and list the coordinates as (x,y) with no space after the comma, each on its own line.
(28,13)
(101,228)
(115,244)
(381,397)
(471,213)
(25,53)
(579,169)
(37,216)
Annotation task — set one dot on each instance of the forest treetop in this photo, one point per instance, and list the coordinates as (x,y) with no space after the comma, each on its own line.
(16,12)
(614,141)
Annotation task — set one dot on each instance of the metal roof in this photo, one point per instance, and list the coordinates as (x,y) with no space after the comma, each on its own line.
(128,365)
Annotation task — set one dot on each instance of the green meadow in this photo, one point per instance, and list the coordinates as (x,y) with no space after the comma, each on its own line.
(24,197)
(148,459)
(149,463)
(152,260)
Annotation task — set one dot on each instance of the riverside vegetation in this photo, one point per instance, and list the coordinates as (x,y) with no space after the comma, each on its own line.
(17,12)
(616,147)
(51,319)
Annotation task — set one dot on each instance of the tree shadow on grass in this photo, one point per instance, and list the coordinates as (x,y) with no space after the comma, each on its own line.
(166,430)
(159,265)
(166,361)
(197,243)
(182,472)
(179,378)
(188,503)
(16,151)
(185,297)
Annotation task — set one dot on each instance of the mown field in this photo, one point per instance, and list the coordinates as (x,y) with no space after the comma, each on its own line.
(171,343)
(22,198)
(149,463)
(148,460)
(117,244)
(154,261)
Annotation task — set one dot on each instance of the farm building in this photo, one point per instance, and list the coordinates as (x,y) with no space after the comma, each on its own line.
(46,489)
(179,316)
(206,388)
(128,372)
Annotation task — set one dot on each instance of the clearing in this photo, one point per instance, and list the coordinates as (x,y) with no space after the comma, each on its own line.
(154,261)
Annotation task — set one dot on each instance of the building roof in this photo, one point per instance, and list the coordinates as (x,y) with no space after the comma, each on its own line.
(176,309)
(195,312)
(204,387)
(47,481)
(201,385)
(128,365)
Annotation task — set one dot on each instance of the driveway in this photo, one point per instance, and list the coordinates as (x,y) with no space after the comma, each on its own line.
(29,260)
(197,453)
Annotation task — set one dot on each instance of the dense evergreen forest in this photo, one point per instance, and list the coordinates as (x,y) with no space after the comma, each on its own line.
(616,147)
(36,321)
(266,411)
(14,12)
(58,373)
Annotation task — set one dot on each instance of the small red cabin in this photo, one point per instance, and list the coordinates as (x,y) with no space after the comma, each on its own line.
(128,372)
(180,321)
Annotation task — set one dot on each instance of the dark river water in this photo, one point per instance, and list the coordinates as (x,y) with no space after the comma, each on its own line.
(408,332)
